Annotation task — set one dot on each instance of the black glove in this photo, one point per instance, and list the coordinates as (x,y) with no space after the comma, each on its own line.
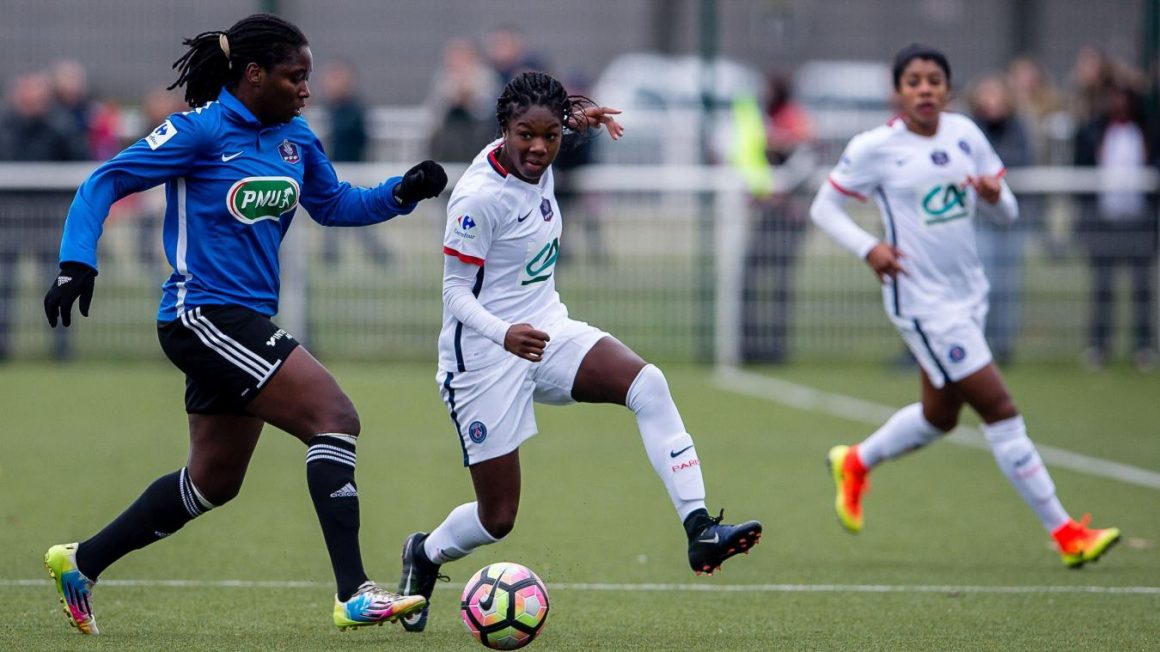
(424,181)
(75,280)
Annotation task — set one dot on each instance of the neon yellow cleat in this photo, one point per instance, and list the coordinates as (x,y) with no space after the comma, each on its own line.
(850,482)
(76,590)
(1079,544)
(374,605)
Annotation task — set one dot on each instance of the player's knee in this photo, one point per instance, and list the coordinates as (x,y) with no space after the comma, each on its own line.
(499,522)
(224,493)
(998,409)
(339,416)
(649,385)
(1000,412)
(945,421)
(218,488)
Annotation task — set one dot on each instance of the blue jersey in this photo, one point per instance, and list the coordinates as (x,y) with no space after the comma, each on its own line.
(232,186)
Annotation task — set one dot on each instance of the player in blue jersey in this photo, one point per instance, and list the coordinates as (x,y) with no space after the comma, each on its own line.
(235,169)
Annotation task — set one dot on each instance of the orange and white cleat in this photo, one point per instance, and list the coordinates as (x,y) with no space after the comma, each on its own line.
(1079,544)
(850,481)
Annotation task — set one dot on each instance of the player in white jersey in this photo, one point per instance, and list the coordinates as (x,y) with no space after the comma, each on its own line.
(930,172)
(507,341)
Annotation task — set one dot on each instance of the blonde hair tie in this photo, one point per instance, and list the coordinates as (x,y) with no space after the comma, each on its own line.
(224,44)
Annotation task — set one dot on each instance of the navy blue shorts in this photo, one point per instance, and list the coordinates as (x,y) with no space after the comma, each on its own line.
(228,354)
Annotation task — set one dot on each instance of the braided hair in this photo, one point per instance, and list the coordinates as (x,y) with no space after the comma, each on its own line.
(536,88)
(215,59)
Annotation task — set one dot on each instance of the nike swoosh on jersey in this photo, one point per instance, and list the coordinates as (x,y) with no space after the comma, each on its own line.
(675,454)
(521,219)
(227,159)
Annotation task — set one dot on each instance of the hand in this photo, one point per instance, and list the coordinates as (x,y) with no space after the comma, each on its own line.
(988,187)
(526,342)
(885,259)
(595,116)
(424,181)
(75,280)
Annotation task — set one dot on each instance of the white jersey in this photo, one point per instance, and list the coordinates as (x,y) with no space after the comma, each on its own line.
(511,229)
(920,186)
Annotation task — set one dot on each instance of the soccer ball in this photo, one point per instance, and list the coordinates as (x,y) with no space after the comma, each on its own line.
(504,605)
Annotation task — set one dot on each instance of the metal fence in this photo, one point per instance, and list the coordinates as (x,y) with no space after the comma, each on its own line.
(676,261)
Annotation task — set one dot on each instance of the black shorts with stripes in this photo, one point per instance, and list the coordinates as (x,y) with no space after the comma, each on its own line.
(228,354)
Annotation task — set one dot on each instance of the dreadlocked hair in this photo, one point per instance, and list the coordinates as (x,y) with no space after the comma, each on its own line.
(216,59)
(536,88)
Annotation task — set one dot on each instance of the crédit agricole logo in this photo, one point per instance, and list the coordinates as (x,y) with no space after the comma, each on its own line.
(254,199)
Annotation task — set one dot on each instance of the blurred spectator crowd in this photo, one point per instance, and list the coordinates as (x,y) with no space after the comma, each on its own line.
(1105,116)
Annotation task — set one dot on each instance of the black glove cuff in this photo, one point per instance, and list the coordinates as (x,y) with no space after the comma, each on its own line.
(395,194)
(73,268)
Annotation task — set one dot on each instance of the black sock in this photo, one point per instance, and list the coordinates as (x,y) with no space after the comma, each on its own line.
(330,477)
(420,554)
(696,521)
(165,506)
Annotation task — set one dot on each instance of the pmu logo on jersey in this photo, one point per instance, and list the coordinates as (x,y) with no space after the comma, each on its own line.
(254,199)
(477,431)
(957,353)
(289,152)
(539,265)
(943,203)
(546,209)
(939,157)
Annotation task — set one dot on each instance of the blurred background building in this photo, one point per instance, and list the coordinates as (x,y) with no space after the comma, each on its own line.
(127,45)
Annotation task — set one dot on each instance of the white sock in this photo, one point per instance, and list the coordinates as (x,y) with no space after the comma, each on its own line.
(907,430)
(669,447)
(1020,462)
(458,534)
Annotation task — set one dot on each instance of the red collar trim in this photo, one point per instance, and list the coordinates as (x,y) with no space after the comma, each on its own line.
(493,158)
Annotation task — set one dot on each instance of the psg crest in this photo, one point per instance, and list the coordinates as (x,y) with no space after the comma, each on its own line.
(477,431)
(289,152)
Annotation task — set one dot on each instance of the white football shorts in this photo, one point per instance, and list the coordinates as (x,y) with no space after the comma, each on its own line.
(492,407)
(949,347)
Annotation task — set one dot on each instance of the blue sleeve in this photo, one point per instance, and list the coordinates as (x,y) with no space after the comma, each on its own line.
(331,202)
(167,152)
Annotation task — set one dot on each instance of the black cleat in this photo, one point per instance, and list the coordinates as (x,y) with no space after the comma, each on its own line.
(418,578)
(712,542)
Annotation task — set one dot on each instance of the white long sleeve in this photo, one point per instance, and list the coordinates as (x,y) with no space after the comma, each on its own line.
(829,214)
(1006,209)
(458,280)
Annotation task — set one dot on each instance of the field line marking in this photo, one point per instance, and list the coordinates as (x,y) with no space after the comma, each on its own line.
(806,398)
(646,587)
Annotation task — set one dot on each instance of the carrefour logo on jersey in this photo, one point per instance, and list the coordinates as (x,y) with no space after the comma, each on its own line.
(464,224)
(254,199)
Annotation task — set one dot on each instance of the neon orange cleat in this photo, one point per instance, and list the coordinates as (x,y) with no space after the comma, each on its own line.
(850,481)
(1079,544)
